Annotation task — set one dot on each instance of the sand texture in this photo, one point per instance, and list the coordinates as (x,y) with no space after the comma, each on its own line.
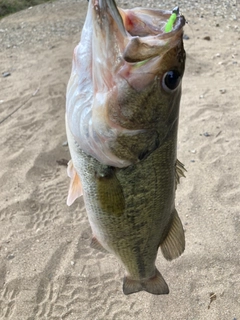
(47,269)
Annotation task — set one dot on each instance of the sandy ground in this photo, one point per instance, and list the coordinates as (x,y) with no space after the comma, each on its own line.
(47,269)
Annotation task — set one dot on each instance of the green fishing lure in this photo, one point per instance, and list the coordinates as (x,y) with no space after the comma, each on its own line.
(172,20)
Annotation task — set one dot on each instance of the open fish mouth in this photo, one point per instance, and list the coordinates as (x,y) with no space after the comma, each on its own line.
(141,33)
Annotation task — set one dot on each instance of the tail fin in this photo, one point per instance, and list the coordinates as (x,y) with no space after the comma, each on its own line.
(154,285)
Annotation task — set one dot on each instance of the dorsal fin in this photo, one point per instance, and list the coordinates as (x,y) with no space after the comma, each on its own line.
(179,171)
(75,188)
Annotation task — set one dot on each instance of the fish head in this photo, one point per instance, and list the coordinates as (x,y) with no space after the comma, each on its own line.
(124,93)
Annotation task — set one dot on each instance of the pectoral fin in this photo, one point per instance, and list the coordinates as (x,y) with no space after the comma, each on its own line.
(110,193)
(75,188)
(154,285)
(174,243)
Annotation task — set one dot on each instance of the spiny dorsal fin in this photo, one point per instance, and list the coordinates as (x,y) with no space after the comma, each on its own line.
(179,171)
(75,188)
(174,243)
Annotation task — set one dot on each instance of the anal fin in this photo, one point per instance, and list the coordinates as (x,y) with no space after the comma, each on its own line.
(155,285)
(95,244)
(174,243)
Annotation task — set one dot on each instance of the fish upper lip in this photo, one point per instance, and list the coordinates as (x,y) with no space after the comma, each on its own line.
(140,48)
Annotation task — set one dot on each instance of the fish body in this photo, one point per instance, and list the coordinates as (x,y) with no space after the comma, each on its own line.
(122,115)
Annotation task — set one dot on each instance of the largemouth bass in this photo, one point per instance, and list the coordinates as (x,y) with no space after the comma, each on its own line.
(122,116)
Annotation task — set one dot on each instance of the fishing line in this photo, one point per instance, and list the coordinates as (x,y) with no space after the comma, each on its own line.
(188,23)
(23,104)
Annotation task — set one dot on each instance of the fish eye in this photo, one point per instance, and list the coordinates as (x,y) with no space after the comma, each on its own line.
(171,80)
